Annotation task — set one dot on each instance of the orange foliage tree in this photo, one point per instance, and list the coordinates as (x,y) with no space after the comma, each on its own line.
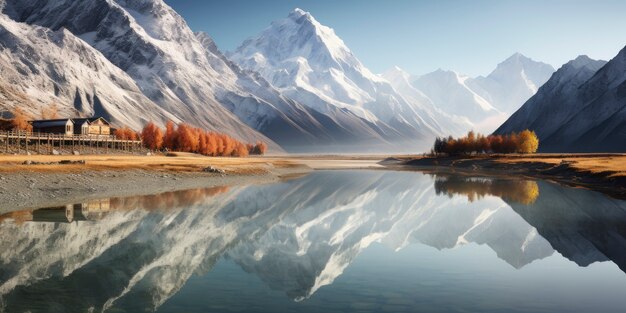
(125,133)
(169,141)
(152,137)
(523,142)
(20,120)
(186,138)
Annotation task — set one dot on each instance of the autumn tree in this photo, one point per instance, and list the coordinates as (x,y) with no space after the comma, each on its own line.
(523,142)
(169,140)
(152,137)
(125,133)
(186,138)
(528,142)
(20,120)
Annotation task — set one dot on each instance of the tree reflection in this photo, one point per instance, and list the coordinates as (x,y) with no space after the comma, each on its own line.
(511,190)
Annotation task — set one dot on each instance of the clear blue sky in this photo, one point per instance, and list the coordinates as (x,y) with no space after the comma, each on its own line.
(421,36)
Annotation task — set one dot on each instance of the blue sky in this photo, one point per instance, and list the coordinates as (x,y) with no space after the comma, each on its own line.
(421,36)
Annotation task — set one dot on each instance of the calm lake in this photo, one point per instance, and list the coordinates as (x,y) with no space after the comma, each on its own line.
(332,241)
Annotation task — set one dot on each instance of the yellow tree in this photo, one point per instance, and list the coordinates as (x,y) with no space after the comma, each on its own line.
(527,142)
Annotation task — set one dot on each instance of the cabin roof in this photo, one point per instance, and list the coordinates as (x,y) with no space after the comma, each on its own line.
(90,120)
(49,123)
(63,121)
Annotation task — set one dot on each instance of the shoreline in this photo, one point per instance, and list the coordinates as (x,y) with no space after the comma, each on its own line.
(47,181)
(39,185)
(604,173)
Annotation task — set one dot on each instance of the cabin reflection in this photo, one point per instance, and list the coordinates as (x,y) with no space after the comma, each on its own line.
(509,189)
(94,210)
(88,211)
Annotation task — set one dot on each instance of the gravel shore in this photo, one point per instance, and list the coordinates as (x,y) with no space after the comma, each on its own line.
(31,190)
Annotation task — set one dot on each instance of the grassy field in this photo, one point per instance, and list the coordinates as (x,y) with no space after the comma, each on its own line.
(612,164)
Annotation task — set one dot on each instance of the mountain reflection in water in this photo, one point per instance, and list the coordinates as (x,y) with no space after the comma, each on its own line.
(133,254)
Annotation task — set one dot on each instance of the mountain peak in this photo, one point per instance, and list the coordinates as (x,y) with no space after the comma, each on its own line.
(298,13)
(517,59)
(395,73)
(580,61)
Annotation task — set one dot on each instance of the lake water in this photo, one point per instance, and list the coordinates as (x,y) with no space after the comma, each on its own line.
(332,241)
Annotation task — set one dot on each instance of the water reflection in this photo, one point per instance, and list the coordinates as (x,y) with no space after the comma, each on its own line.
(133,254)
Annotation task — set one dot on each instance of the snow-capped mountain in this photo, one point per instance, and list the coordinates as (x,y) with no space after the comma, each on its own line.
(485,101)
(324,98)
(185,76)
(308,62)
(582,108)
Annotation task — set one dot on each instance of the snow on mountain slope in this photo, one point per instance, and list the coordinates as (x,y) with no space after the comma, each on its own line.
(153,45)
(308,62)
(513,82)
(449,91)
(40,67)
(582,108)
(486,101)
(443,122)
(293,125)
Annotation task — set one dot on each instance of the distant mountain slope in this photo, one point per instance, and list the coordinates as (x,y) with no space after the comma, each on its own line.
(582,108)
(513,82)
(445,123)
(485,101)
(450,91)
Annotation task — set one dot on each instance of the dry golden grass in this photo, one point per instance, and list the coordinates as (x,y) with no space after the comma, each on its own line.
(594,163)
(181,162)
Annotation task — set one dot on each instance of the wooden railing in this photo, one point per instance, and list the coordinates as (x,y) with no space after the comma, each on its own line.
(23,140)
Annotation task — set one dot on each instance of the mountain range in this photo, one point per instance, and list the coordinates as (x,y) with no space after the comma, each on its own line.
(295,85)
(582,108)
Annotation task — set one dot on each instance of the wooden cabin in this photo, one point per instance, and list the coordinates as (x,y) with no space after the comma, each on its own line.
(95,126)
(56,126)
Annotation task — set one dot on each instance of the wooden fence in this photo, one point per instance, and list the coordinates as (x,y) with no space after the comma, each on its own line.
(44,143)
